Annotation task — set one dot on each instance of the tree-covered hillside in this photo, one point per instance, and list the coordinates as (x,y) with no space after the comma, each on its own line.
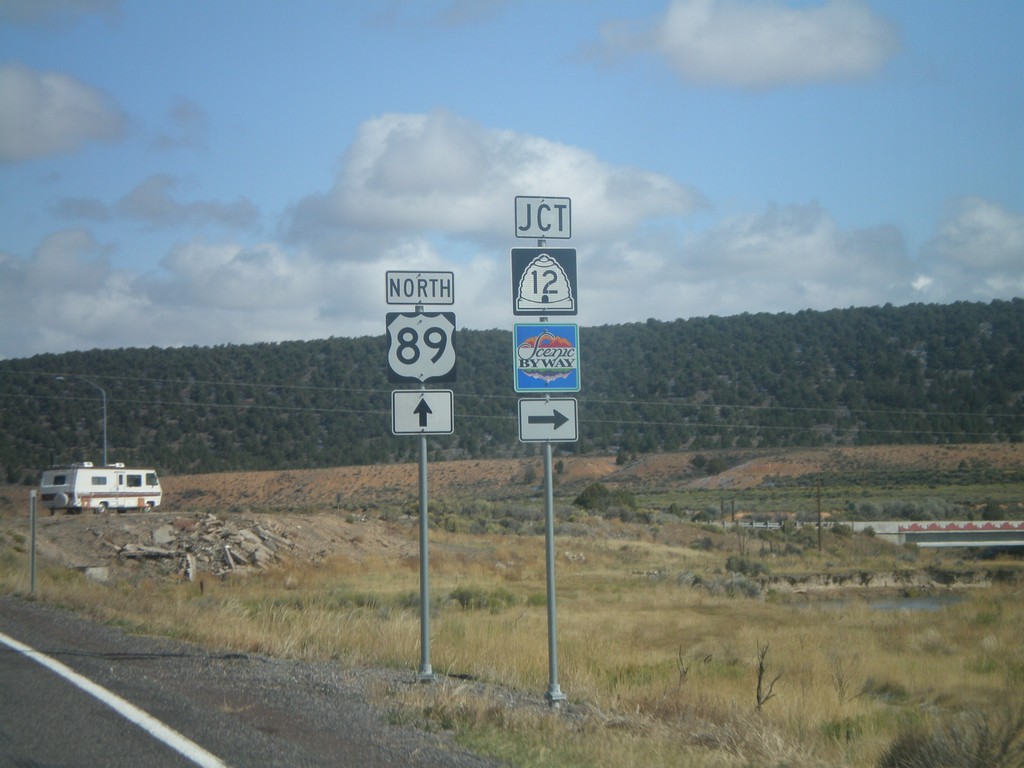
(921,374)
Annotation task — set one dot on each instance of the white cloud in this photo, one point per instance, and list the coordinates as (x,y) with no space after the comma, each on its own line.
(151,202)
(977,253)
(64,295)
(439,172)
(784,259)
(435,192)
(978,234)
(760,44)
(228,276)
(45,113)
(225,292)
(68,296)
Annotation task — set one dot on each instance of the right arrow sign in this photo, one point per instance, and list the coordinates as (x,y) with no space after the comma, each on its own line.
(548,420)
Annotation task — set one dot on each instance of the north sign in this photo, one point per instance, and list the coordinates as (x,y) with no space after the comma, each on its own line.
(548,420)
(543,218)
(421,347)
(546,357)
(544,281)
(421,412)
(420,287)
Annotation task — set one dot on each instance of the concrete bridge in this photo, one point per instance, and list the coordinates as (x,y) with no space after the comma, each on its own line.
(946,533)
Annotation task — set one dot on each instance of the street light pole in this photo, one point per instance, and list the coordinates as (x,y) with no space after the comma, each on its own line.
(103,395)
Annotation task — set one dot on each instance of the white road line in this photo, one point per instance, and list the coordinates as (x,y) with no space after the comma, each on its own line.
(127,710)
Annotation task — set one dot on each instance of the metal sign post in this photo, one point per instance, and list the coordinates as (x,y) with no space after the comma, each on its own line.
(425,674)
(32,548)
(554,695)
(546,360)
(421,349)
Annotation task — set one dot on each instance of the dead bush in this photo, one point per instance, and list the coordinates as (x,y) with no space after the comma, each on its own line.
(971,739)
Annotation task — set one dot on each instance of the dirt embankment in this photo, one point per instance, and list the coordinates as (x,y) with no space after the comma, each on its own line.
(235,521)
(503,479)
(370,486)
(350,488)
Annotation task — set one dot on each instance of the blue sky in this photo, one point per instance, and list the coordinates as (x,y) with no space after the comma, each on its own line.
(233,171)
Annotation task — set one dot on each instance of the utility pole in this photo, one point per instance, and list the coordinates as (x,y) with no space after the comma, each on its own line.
(103,395)
(819,515)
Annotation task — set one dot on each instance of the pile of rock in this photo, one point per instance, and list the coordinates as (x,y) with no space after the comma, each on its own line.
(208,544)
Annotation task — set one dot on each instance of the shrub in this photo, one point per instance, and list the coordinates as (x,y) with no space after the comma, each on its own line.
(706,515)
(843,729)
(688,579)
(630,515)
(737,564)
(732,585)
(477,598)
(968,740)
(596,496)
(716,466)
(885,690)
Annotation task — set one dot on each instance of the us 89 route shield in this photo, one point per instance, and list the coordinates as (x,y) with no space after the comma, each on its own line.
(421,347)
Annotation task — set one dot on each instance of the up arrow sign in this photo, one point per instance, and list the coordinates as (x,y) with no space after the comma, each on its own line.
(548,420)
(422,410)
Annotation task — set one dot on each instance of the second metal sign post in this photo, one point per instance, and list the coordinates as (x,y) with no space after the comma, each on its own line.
(546,360)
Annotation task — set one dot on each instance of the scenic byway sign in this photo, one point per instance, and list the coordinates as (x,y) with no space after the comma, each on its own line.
(427,411)
(546,357)
(548,420)
(421,347)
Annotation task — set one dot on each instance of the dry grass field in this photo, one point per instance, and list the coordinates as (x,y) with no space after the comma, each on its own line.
(680,644)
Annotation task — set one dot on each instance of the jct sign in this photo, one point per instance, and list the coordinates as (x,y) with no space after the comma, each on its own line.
(544,217)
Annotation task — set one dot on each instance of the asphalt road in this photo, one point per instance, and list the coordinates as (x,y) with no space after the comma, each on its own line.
(245,710)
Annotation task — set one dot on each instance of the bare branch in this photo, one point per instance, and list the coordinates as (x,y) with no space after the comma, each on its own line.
(764,693)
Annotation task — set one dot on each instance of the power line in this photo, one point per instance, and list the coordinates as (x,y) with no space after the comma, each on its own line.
(669,403)
(620,422)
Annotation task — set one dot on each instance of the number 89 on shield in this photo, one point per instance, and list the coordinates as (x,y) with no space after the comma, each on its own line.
(421,347)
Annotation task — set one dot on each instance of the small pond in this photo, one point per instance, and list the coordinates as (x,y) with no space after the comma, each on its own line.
(895,602)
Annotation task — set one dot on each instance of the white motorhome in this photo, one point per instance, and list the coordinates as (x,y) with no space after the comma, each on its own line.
(81,486)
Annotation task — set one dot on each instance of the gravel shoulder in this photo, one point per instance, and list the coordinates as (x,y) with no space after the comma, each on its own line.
(248,709)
